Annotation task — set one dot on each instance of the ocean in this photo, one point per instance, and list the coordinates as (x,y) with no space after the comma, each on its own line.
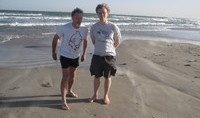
(25,36)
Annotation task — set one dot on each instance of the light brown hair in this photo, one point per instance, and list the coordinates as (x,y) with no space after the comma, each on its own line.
(103,5)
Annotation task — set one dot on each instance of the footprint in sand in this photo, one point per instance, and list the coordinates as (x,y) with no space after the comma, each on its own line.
(14,88)
(196,76)
(47,84)
(187,65)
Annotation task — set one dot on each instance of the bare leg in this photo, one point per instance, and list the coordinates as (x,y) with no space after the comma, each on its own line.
(107,85)
(96,88)
(63,88)
(72,75)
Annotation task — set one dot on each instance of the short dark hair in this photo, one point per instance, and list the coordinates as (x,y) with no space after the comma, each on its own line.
(77,10)
(103,5)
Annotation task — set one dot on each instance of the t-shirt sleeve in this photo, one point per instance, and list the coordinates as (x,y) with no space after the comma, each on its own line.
(92,31)
(60,32)
(117,34)
(86,32)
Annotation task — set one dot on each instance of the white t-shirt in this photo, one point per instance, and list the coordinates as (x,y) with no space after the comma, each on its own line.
(104,36)
(71,40)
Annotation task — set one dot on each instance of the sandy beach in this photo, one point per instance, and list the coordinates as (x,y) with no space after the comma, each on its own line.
(154,80)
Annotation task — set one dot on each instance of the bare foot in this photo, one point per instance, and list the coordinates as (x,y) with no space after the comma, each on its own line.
(72,94)
(106,100)
(65,107)
(93,99)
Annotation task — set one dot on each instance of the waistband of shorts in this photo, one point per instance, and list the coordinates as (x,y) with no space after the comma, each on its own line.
(103,56)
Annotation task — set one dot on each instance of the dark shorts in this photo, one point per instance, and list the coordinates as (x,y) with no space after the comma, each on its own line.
(68,62)
(99,67)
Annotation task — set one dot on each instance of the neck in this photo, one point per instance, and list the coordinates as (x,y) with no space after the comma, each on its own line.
(103,22)
(75,25)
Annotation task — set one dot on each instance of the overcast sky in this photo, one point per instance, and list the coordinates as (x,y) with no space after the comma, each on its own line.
(168,8)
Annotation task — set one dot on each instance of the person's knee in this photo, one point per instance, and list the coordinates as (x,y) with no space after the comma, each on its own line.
(107,78)
(72,70)
(65,79)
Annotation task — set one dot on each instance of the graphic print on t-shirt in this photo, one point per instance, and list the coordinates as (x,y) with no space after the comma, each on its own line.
(75,41)
(102,35)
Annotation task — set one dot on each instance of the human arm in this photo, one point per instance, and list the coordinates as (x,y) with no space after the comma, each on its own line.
(117,37)
(54,46)
(117,42)
(85,45)
(92,35)
(92,39)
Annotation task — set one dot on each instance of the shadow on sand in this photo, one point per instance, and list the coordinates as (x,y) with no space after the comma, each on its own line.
(49,101)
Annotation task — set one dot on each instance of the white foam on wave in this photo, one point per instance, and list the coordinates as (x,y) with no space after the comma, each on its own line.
(36,18)
(6,38)
(35,24)
(20,14)
(48,33)
(41,24)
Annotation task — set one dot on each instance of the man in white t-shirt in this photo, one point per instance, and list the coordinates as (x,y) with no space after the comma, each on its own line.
(73,35)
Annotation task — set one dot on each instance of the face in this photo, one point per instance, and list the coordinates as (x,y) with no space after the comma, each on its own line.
(77,19)
(102,14)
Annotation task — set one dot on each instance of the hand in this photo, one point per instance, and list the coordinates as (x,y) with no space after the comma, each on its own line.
(83,57)
(54,56)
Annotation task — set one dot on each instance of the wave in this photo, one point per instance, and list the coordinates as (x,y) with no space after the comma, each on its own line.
(125,22)
(6,38)
(84,23)
(30,24)
(142,23)
(143,26)
(41,24)
(37,18)
(48,33)
(19,14)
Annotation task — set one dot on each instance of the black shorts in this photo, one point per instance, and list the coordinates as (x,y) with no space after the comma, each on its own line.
(99,67)
(68,62)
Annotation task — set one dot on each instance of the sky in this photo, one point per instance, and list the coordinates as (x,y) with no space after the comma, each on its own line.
(164,8)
